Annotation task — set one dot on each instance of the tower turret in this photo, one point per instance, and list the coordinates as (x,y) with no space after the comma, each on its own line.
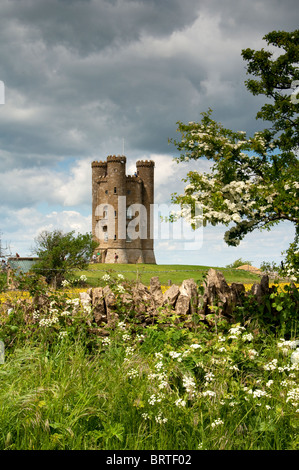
(145,170)
(99,171)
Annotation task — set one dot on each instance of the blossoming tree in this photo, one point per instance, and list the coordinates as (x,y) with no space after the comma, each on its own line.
(254,181)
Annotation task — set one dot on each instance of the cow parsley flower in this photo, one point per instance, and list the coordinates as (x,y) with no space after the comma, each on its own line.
(208,393)
(259,393)
(189,384)
(121,325)
(159,355)
(272,365)
(106,341)
(247,337)
(180,402)
(295,357)
(252,353)
(160,419)
(293,396)
(120,289)
(217,422)
(175,355)
(209,377)
(159,365)
(132,373)
(62,334)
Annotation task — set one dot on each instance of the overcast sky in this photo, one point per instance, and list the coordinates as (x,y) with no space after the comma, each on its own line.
(85,79)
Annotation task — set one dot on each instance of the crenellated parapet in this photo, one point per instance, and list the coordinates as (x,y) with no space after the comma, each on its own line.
(149,163)
(118,158)
(133,178)
(99,164)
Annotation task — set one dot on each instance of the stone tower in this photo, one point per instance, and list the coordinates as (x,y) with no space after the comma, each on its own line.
(122,211)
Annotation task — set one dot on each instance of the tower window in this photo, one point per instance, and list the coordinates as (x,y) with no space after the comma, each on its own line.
(106,192)
(114,189)
(114,237)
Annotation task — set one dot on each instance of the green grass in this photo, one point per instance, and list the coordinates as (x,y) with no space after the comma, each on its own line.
(132,395)
(175,273)
(69,384)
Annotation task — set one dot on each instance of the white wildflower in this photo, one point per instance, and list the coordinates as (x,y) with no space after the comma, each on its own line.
(272,365)
(180,402)
(295,357)
(126,337)
(293,396)
(154,399)
(247,337)
(160,419)
(217,422)
(106,341)
(120,289)
(159,355)
(252,353)
(132,373)
(208,393)
(62,334)
(121,325)
(159,365)
(129,350)
(195,346)
(189,384)
(175,355)
(209,377)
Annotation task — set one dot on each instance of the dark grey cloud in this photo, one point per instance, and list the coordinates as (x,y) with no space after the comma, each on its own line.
(83,75)
(89,26)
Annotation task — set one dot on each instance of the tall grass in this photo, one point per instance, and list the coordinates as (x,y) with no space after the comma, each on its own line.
(155,388)
(176,384)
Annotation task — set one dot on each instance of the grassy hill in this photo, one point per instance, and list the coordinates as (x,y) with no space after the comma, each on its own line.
(174,273)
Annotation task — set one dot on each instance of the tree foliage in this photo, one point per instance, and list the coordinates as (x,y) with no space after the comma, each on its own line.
(254,180)
(60,252)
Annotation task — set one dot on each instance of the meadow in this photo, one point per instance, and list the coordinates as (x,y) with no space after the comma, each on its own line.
(174,273)
(69,384)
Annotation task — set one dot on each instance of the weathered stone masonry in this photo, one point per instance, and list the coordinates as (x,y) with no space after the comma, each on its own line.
(111,186)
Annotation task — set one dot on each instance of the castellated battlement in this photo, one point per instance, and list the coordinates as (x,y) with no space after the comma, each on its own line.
(134,178)
(145,163)
(118,158)
(115,228)
(99,164)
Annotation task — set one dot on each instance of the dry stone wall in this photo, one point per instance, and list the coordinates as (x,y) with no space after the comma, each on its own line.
(185,300)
